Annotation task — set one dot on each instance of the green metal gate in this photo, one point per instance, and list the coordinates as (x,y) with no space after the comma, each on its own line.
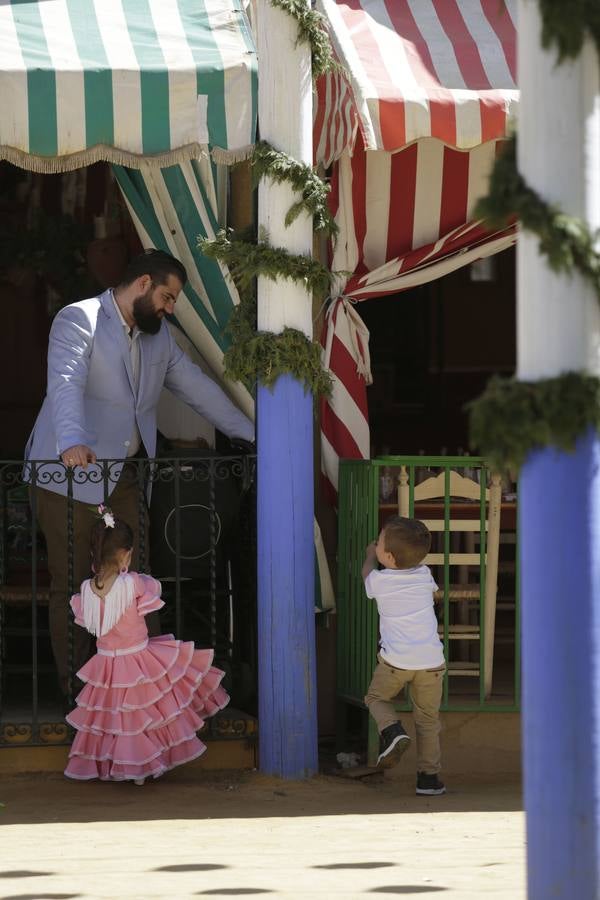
(360,515)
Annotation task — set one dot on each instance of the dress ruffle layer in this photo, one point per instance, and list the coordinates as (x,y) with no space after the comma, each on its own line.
(138,714)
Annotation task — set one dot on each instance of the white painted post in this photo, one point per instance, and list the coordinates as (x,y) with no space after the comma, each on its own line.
(285,121)
(559,331)
(286,626)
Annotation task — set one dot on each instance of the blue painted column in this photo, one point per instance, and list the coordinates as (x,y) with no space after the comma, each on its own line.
(559,331)
(286,617)
(287,723)
(559,499)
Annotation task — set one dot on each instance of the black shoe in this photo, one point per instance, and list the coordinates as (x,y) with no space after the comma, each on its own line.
(394,741)
(429,784)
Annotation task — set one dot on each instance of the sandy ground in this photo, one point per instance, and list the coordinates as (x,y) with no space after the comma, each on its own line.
(239,834)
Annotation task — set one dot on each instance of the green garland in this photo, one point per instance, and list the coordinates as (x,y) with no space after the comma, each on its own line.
(512,417)
(279,167)
(246,261)
(259,355)
(312,30)
(565,24)
(265,356)
(566,241)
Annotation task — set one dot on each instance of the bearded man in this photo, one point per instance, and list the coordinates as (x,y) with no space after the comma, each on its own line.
(109,357)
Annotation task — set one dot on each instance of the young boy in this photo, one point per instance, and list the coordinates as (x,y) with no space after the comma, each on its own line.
(410,649)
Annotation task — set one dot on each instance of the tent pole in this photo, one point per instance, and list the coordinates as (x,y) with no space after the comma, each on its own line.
(286,579)
(559,331)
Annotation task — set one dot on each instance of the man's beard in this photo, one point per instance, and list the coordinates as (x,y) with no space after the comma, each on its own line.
(146,317)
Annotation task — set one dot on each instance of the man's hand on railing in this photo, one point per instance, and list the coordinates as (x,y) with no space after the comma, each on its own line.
(79,455)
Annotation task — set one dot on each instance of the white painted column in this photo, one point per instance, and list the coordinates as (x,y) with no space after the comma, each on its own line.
(285,121)
(559,157)
(559,494)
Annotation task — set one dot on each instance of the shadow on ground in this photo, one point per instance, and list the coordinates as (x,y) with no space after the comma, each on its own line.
(44,798)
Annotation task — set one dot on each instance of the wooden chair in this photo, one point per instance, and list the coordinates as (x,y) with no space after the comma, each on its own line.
(466,593)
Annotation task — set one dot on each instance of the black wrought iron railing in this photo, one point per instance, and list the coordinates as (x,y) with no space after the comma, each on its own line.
(197,536)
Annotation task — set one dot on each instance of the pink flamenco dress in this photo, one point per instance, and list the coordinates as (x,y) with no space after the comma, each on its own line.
(144,698)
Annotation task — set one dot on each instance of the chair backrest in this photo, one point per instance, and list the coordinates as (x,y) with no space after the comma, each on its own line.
(460,488)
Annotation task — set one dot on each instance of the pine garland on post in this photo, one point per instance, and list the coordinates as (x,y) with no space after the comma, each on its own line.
(566,25)
(246,261)
(513,417)
(270,163)
(566,241)
(264,356)
(311,30)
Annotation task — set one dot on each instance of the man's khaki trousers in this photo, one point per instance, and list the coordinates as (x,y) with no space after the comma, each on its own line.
(52,517)
(426,687)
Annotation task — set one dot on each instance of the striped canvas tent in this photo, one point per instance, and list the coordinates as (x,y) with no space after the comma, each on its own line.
(123,81)
(410,129)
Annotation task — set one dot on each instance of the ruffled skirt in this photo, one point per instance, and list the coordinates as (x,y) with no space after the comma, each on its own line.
(138,714)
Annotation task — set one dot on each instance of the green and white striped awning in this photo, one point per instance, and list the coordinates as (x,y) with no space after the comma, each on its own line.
(122,80)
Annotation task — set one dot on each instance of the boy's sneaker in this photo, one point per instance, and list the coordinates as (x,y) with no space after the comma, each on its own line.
(394,741)
(429,784)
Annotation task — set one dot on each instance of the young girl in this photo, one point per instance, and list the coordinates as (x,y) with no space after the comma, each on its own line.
(144,698)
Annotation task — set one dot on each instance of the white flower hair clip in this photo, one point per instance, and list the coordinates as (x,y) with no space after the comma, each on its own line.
(107,516)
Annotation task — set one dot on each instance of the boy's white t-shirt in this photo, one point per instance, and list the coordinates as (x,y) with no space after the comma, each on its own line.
(407,622)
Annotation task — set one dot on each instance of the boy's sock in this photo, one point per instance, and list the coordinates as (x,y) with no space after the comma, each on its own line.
(394,741)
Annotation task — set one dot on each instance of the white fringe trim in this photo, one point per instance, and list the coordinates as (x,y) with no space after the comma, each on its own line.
(230,157)
(117,601)
(52,165)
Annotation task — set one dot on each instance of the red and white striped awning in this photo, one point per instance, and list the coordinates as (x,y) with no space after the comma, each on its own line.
(415,69)
(412,131)
(406,218)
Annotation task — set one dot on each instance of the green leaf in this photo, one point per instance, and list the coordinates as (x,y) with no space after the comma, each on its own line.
(512,418)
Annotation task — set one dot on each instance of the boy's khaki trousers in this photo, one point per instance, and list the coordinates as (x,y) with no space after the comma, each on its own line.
(426,687)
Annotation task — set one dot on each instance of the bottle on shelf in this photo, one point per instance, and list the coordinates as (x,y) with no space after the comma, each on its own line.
(386,486)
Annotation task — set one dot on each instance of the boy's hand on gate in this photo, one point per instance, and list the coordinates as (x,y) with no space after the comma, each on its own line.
(370,561)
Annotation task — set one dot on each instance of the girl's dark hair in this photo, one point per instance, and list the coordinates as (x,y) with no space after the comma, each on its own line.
(106,543)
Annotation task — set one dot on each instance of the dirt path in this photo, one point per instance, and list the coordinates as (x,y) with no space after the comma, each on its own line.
(235,834)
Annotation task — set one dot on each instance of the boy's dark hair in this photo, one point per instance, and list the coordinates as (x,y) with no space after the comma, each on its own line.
(155,263)
(106,543)
(408,540)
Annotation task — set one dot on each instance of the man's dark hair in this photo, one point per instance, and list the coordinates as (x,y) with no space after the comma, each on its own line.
(408,540)
(155,263)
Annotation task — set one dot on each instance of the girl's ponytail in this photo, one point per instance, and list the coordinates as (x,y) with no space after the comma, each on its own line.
(109,537)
